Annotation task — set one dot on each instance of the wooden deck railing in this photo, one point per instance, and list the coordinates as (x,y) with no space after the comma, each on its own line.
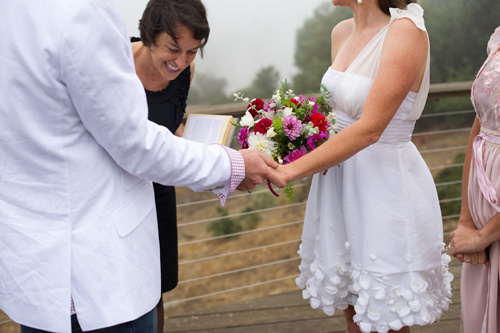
(248,249)
(260,259)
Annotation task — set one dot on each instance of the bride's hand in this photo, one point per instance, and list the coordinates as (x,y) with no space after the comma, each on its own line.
(282,173)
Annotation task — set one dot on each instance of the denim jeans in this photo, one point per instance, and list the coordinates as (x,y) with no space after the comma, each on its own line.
(145,324)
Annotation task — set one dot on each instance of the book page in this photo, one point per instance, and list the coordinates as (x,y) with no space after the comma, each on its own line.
(205,129)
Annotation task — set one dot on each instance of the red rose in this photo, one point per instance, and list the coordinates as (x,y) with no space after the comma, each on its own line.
(296,102)
(255,106)
(263,125)
(319,121)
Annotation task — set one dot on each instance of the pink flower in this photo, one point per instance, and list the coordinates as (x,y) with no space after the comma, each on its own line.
(243,137)
(292,127)
(296,154)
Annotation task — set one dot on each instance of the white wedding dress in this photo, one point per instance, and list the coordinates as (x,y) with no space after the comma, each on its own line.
(373,235)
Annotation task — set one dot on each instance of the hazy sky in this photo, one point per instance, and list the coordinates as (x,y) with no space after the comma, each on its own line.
(245,36)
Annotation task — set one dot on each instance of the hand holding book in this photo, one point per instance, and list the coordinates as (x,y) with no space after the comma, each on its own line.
(209,129)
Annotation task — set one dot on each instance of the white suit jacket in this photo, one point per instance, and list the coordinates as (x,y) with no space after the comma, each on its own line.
(77,157)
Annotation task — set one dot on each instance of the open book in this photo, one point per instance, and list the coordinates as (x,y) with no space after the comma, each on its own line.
(209,129)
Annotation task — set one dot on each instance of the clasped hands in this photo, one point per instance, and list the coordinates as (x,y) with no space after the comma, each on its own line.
(259,167)
(467,246)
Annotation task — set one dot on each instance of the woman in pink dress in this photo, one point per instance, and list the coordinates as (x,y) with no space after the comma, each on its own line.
(476,240)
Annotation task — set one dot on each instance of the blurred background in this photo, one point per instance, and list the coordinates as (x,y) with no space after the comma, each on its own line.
(255,44)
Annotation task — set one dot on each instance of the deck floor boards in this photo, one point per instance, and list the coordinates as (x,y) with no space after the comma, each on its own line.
(287,313)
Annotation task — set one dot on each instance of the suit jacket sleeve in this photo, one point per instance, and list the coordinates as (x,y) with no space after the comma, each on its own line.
(97,68)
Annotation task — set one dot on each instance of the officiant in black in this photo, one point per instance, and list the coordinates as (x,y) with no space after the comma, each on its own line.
(172,32)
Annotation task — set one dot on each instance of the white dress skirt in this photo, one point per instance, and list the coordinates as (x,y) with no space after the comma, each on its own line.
(373,235)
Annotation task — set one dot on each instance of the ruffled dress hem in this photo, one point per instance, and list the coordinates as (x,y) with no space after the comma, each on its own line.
(382,302)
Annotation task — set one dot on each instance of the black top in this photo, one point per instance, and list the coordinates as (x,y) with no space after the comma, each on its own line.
(166,108)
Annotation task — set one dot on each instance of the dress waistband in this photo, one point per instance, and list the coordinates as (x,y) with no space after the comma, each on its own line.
(489,191)
(397,131)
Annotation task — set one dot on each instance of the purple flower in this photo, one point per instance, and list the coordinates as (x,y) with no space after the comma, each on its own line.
(317,139)
(296,154)
(292,127)
(243,137)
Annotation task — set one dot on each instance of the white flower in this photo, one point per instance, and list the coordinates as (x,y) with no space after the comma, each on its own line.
(247,120)
(239,95)
(287,111)
(276,95)
(271,133)
(269,115)
(290,145)
(311,103)
(262,143)
(309,129)
(331,118)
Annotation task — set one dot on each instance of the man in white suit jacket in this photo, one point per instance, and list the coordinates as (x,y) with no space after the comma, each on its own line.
(77,157)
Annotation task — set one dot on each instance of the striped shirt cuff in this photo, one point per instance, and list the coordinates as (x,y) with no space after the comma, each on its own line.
(237,173)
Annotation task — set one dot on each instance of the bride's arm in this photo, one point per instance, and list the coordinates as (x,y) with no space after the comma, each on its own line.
(403,57)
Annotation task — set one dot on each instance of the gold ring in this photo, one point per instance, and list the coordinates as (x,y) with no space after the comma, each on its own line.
(448,248)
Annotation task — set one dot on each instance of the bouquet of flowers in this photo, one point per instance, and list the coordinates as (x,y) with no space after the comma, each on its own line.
(287,127)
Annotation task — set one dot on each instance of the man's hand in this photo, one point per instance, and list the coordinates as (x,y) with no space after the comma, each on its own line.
(258,167)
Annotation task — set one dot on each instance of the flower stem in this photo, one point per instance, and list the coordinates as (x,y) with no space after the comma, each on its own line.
(271,189)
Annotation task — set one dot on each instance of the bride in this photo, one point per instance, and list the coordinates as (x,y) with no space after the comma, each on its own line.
(373,239)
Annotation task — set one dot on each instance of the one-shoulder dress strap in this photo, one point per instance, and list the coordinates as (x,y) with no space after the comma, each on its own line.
(413,12)
(416,13)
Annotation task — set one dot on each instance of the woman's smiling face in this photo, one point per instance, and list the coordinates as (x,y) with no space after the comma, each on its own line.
(169,57)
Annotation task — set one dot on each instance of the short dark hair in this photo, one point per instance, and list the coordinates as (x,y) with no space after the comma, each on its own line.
(386,4)
(168,15)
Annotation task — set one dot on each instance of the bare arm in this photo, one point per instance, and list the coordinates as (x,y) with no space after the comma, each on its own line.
(470,240)
(404,56)
(466,228)
(465,216)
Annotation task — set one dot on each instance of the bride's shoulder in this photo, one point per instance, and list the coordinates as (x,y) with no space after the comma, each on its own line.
(342,30)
